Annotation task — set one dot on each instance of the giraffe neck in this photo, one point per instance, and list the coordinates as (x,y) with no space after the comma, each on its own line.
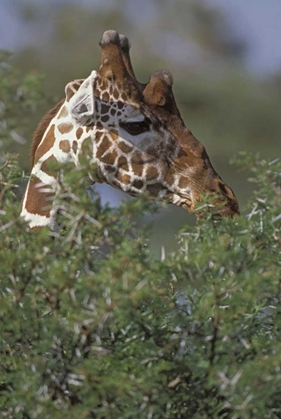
(118,163)
(61,142)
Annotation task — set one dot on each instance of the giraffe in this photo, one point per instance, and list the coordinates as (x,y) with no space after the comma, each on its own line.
(131,144)
(199,174)
(194,162)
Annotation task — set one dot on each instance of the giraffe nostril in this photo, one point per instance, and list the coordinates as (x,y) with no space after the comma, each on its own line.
(223,188)
(232,203)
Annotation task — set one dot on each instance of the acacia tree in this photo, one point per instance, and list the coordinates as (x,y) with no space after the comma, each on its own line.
(92,326)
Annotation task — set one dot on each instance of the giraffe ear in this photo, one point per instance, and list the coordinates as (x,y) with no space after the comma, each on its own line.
(82,104)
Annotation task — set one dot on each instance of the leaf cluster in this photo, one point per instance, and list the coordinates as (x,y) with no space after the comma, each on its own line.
(21,95)
(92,326)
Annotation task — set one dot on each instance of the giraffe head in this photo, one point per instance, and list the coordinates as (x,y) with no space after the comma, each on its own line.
(196,173)
(130,144)
(164,158)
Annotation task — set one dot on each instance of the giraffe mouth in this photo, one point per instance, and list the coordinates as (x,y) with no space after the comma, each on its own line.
(219,207)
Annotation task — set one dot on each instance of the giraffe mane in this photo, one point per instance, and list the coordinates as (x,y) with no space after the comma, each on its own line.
(40,130)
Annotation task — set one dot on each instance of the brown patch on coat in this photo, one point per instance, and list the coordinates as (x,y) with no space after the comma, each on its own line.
(105,118)
(103,147)
(124,178)
(74,146)
(90,128)
(114,135)
(109,168)
(138,184)
(104,109)
(65,146)
(151,173)
(105,97)
(170,178)
(154,189)
(38,202)
(123,163)
(137,164)
(103,85)
(115,94)
(44,147)
(47,165)
(79,132)
(65,128)
(110,157)
(98,136)
(184,183)
(124,147)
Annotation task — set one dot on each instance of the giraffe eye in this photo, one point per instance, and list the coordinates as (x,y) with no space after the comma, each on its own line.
(136,127)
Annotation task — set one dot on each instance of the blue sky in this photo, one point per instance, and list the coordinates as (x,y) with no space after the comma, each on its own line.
(258,22)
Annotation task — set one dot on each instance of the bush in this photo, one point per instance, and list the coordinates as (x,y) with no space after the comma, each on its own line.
(93,327)
(21,97)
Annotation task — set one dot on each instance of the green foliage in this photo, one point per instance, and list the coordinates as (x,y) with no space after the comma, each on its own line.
(20,98)
(93,326)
